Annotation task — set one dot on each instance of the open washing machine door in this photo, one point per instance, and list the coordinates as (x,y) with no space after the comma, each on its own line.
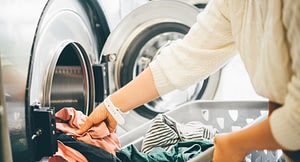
(135,42)
(50,54)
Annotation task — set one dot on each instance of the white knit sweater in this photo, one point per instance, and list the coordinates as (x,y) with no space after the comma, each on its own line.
(267,36)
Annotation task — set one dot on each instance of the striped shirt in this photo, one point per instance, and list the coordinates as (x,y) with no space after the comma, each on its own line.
(165,132)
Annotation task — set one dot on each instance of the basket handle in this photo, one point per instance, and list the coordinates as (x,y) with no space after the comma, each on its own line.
(205,156)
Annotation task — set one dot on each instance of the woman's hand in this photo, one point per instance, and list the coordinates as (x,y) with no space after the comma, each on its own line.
(98,115)
(226,150)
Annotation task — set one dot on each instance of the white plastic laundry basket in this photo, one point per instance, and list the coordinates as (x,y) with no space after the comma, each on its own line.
(225,116)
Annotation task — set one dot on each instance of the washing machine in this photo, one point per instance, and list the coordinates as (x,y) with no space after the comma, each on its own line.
(74,53)
(50,52)
(145,28)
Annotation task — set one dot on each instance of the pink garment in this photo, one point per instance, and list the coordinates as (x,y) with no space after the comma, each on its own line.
(67,154)
(69,120)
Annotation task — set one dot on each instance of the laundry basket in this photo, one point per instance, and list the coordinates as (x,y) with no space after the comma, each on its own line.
(225,116)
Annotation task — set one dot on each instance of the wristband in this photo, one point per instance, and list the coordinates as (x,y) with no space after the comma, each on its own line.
(114,111)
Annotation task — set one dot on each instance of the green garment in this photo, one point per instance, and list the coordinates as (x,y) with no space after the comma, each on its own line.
(180,152)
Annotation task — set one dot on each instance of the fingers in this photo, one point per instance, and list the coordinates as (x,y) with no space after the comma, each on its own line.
(100,114)
(111,129)
(87,125)
(112,126)
(111,123)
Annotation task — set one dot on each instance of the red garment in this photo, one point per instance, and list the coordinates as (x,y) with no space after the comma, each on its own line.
(67,154)
(68,120)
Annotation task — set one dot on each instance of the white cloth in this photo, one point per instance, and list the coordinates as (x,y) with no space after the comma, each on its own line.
(165,132)
(267,36)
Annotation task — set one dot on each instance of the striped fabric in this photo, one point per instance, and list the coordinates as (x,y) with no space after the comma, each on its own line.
(165,132)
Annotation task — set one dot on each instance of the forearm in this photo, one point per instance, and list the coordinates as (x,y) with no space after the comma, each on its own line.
(137,92)
(233,147)
(257,137)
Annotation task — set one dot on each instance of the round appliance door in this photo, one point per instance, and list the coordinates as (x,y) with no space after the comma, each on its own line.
(137,39)
(49,52)
(68,42)
(66,48)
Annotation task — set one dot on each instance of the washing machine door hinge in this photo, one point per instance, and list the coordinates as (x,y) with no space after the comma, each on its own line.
(101,77)
(43,131)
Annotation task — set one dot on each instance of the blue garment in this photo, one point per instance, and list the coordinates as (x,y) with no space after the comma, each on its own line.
(180,152)
(293,155)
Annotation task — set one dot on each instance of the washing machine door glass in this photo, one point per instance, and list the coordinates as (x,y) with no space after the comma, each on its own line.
(135,42)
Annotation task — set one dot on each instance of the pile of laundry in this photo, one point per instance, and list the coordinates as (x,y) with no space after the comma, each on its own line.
(97,144)
(165,141)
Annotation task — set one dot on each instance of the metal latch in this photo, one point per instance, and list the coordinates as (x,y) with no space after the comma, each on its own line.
(43,127)
(102,75)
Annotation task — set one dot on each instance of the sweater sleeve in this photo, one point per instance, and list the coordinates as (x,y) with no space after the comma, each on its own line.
(285,122)
(206,47)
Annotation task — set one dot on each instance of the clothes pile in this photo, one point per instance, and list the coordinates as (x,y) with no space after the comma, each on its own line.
(97,144)
(165,141)
(168,140)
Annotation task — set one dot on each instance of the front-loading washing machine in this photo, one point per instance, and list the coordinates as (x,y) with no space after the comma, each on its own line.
(50,55)
(72,53)
(136,41)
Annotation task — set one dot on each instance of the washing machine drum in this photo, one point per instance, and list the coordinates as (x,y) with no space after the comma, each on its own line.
(138,38)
